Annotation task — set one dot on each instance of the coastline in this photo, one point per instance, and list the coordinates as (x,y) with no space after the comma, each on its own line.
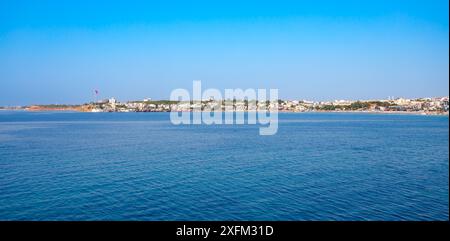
(418,113)
(437,106)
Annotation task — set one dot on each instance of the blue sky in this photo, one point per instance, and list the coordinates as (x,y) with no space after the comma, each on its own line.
(60,51)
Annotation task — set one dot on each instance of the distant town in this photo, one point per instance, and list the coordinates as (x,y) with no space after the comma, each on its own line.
(432,106)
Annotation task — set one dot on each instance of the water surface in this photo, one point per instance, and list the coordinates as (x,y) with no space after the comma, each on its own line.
(138,166)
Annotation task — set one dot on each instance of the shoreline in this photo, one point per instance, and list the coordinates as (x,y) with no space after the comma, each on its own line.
(76,110)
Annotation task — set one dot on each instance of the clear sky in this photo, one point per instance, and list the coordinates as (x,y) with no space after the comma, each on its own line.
(60,51)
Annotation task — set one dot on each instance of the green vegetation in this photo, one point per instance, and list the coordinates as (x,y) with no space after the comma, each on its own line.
(359,105)
(332,107)
(328,107)
(379,103)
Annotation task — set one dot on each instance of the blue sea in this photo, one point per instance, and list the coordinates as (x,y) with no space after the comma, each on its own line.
(138,166)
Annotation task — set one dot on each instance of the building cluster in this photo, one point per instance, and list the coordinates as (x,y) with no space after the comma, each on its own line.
(437,105)
(146,105)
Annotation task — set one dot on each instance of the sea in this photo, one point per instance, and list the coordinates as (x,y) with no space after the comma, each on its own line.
(139,166)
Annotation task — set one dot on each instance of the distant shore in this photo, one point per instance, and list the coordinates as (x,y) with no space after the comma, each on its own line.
(384,112)
(85,110)
(418,106)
